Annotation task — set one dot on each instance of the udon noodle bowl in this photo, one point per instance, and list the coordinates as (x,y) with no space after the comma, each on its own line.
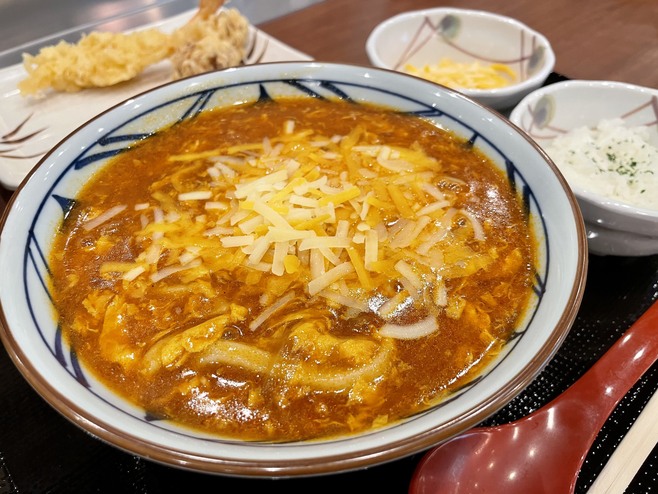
(295,269)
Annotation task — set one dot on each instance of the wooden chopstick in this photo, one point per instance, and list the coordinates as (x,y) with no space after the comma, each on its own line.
(631,453)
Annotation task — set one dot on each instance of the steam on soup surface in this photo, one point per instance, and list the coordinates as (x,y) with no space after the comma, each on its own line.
(292,269)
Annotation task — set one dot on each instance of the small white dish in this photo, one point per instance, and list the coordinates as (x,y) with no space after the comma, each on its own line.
(424,37)
(614,226)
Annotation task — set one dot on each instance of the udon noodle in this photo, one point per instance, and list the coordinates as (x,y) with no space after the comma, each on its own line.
(293,269)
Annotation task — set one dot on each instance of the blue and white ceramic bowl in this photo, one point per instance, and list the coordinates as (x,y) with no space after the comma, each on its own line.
(30,333)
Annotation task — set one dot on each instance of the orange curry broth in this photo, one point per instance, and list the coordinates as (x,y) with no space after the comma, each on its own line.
(215,309)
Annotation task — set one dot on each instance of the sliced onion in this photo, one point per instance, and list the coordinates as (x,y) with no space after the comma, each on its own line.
(271,310)
(335,381)
(478,231)
(238,354)
(414,331)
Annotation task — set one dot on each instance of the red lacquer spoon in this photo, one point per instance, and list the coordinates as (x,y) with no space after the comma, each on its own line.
(543,452)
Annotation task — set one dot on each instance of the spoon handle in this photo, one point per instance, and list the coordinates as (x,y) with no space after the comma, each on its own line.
(603,386)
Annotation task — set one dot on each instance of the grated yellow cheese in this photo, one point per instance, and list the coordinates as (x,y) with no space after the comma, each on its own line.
(334,274)
(103,217)
(285,213)
(195,195)
(465,75)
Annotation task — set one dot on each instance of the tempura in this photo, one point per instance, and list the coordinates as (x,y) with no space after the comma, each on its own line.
(213,38)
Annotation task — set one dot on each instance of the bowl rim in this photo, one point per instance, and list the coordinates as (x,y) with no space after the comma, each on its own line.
(533,81)
(331,462)
(581,83)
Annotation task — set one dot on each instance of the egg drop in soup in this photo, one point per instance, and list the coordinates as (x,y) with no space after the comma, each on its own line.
(293,269)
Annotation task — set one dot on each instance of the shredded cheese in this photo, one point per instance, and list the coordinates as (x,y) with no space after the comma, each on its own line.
(195,195)
(286,213)
(334,274)
(465,75)
(104,217)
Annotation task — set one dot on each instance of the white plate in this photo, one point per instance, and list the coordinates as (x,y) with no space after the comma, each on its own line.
(30,127)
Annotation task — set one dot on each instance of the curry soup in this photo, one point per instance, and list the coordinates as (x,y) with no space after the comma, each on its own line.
(293,269)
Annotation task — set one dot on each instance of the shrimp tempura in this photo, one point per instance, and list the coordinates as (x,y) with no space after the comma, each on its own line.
(213,38)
